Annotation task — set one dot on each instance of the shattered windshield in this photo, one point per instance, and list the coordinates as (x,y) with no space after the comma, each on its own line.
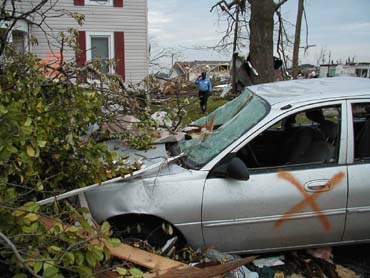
(235,118)
(225,112)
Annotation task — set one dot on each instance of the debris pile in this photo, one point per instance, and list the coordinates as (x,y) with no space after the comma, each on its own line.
(159,88)
(295,264)
(210,262)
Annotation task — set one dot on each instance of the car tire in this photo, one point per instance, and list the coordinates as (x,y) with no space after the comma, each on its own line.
(151,234)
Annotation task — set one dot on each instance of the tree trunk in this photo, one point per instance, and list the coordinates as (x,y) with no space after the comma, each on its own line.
(297,39)
(261,26)
(235,43)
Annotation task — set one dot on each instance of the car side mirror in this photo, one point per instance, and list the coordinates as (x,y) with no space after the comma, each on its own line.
(237,169)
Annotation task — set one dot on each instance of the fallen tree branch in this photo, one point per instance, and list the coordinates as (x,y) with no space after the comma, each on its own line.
(125,252)
(163,267)
(16,253)
(87,188)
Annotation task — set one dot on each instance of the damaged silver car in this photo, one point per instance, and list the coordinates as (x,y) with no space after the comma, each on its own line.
(284,165)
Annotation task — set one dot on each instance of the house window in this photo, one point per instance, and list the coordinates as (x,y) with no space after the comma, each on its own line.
(361,72)
(16,37)
(19,40)
(100,47)
(108,3)
(99,3)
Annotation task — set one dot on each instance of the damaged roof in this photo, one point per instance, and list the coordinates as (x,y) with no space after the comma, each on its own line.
(185,67)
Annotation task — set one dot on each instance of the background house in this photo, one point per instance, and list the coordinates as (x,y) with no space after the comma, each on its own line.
(189,71)
(349,69)
(112,29)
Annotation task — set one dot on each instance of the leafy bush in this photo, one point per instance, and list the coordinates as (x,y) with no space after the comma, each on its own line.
(45,150)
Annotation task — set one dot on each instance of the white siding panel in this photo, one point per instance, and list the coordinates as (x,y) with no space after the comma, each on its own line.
(131,19)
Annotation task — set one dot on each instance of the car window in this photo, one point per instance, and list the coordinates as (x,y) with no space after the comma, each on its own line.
(361,131)
(308,137)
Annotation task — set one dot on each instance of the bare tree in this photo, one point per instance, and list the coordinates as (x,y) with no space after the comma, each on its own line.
(260,29)
(236,15)
(297,38)
(321,56)
(161,57)
(283,43)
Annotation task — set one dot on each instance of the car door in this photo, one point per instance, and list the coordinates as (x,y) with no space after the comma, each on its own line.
(282,204)
(358,213)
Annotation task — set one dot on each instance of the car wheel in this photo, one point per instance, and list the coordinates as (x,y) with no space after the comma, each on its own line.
(146,234)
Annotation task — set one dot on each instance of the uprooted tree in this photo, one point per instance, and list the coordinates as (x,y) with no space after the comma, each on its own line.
(46,112)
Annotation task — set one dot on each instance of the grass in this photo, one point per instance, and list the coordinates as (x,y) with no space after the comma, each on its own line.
(195,113)
(192,108)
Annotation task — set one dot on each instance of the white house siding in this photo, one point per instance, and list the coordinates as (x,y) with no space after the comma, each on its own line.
(131,19)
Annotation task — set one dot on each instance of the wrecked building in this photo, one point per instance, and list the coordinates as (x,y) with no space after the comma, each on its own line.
(351,69)
(189,71)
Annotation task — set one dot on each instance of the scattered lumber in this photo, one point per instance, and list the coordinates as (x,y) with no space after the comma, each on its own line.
(208,272)
(161,267)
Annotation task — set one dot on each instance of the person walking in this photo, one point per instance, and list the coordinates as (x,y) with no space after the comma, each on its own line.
(205,89)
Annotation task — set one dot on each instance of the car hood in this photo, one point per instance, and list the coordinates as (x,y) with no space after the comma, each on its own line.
(154,162)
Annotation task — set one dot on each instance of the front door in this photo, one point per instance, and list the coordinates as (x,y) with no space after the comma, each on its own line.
(296,198)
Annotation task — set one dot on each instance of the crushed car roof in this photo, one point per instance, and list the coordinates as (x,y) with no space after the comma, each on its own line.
(312,89)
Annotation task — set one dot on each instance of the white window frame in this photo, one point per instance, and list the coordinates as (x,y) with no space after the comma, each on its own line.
(110,36)
(22,26)
(108,3)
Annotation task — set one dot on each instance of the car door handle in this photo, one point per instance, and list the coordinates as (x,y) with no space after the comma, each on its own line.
(318,186)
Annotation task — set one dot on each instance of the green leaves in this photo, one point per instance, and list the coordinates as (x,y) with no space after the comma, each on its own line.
(31,217)
(114,242)
(94,255)
(135,272)
(37,267)
(28,122)
(30,151)
(79,258)
(52,272)
(84,271)
(41,143)
(11,149)
(20,275)
(121,270)
(91,259)
(105,228)
(44,150)
(3,110)
(69,259)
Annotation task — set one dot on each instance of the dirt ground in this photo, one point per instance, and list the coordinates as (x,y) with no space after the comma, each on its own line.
(354,257)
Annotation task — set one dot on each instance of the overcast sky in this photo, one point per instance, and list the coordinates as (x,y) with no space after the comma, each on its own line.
(339,26)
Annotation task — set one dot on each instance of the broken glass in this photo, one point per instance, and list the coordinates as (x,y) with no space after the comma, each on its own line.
(237,117)
(227,111)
